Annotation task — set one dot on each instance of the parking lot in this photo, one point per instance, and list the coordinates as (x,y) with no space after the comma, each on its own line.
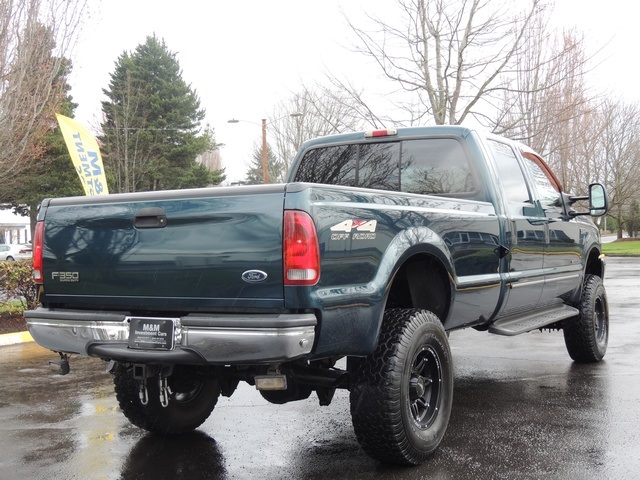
(522,409)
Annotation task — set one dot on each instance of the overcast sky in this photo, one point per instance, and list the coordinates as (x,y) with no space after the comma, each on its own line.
(242,58)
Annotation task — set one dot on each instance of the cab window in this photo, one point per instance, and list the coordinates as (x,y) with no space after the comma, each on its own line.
(512,179)
(548,193)
(331,165)
(431,166)
(436,166)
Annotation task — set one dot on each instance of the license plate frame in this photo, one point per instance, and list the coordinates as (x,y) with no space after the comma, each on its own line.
(152,333)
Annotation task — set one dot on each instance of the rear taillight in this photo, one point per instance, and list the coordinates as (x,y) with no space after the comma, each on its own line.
(300,249)
(38,237)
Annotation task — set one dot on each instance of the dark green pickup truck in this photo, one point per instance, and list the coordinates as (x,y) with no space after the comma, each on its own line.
(380,244)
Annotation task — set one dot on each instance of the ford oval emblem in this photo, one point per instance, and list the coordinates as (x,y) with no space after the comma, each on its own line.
(254,276)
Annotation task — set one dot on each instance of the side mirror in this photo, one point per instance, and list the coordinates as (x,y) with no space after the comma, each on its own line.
(597,200)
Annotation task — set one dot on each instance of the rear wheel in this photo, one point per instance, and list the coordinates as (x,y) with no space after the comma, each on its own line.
(401,394)
(587,334)
(189,401)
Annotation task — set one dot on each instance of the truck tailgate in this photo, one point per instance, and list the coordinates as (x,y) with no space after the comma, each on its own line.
(181,250)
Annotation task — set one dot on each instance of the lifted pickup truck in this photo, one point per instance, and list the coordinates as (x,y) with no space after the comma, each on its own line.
(380,244)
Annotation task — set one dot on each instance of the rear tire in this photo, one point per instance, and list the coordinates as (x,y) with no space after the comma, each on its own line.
(401,394)
(191,401)
(587,334)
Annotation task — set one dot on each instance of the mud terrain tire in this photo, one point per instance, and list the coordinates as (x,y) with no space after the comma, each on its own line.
(401,394)
(587,334)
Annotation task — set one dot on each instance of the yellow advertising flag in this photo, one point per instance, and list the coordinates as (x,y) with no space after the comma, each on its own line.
(85,155)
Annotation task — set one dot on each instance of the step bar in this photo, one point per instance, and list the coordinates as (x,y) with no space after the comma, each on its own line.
(523,323)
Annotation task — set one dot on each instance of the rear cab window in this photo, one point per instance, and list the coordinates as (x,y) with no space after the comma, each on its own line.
(427,166)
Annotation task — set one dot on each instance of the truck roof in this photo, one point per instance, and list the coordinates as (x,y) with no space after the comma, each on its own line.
(447,130)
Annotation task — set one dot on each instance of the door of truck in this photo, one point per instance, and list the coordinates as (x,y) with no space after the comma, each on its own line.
(565,239)
(525,228)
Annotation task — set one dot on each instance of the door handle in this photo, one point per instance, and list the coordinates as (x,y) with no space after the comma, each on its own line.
(151,217)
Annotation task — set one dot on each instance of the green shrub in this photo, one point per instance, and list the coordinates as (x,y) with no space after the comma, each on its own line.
(16,279)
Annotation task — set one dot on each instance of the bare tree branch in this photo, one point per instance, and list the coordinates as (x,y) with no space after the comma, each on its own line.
(36,37)
(450,56)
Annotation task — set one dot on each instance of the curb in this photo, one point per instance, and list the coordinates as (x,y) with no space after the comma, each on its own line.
(14,338)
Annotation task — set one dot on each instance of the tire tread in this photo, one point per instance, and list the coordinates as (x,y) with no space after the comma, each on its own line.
(376,392)
(579,333)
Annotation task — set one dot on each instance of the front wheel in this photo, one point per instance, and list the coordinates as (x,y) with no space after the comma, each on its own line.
(401,394)
(587,334)
(189,400)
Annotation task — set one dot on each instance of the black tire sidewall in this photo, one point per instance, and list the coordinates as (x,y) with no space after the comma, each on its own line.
(380,389)
(580,334)
(597,294)
(427,440)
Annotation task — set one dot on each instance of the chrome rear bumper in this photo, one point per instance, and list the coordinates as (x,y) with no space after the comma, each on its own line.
(199,338)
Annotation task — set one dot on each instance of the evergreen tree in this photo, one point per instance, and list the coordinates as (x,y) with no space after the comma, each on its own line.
(152,129)
(276,168)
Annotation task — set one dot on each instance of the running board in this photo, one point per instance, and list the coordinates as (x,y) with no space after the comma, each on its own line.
(532,320)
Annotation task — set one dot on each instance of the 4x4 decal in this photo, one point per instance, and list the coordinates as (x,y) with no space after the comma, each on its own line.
(364,230)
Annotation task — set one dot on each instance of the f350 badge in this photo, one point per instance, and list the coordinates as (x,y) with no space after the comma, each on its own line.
(364,230)
(66,277)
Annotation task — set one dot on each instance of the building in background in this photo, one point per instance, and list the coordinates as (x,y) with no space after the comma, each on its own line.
(14,228)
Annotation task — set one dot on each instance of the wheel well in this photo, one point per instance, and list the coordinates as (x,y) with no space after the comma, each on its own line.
(421,282)
(594,265)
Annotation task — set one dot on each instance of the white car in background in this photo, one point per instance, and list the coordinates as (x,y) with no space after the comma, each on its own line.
(15,252)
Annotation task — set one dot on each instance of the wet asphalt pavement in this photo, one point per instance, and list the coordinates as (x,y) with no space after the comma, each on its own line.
(522,409)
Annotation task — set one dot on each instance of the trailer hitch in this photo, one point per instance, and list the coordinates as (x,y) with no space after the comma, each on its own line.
(60,367)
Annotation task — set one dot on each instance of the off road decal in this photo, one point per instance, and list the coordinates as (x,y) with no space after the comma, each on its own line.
(364,230)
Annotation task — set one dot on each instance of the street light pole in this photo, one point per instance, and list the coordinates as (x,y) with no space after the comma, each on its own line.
(265,172)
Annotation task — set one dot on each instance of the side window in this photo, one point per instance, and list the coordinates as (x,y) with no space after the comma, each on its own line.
(512,178)
(436,166)
(330,165)
(549,195)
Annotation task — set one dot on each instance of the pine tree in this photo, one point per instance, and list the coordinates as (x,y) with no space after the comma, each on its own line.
(153,124)
(276,169)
